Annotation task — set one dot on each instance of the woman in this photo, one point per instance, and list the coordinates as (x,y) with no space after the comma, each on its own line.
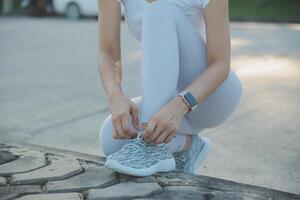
(186,83)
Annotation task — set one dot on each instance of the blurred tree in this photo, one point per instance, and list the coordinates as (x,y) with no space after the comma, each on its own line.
(279,10)
(9,6)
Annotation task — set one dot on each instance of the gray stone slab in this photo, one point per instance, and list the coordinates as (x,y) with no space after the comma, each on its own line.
(125,177)
(61,167)
(178,193)
(13,191)
(192,193)
(215,188)
(18,151)
(93,176)
(27,161)
(177,178)
(125,190)
(2,180)
(6,156)
(53,196)
(4,146)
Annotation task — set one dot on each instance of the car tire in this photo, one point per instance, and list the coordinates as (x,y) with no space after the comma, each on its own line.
(73,11)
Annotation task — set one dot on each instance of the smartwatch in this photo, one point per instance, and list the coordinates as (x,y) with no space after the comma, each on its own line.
(189,99)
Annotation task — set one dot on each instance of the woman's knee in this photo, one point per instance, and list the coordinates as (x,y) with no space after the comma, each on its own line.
(160,10)
(105,134)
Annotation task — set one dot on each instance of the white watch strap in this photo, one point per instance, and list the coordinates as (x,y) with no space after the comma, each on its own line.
(181,95)
(192,108)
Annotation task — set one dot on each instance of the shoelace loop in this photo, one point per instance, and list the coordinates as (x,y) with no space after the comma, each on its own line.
(137,143)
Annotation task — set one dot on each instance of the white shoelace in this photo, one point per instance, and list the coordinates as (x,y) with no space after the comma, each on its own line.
(137,144)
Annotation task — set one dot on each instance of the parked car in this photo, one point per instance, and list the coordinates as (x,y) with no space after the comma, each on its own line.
(37,8)
(74,9)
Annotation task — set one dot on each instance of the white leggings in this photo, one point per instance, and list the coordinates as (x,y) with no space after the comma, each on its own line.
(173,54)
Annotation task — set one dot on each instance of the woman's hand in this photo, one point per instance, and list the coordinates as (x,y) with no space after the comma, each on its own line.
(121,108)
(163,126)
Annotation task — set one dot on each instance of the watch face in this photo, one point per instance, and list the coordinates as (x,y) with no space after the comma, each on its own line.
(190,99)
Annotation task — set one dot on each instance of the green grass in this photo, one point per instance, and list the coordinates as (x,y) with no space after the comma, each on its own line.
(265,9)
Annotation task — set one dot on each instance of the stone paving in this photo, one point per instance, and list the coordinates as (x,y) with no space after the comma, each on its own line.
(28,172)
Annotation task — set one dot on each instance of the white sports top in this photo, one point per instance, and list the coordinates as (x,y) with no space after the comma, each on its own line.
(193,9)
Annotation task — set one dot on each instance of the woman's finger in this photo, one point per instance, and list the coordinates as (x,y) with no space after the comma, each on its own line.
(118,126)
(170,137)
(164,135)
(171,134)
(114,125)
(115,134)
(135,115)
(161,129)
(127,130)
(158,130)
(150,129)
(161,137)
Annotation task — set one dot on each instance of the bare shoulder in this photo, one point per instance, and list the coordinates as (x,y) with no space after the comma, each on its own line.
(215,7)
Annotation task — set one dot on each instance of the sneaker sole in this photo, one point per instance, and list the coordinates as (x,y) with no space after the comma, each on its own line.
(161,166)
(206,148)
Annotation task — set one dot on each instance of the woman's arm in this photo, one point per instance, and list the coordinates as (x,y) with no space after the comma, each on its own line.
(109,55)
(109,60)
(218,50)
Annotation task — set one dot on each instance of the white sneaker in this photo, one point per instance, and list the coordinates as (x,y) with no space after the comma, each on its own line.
(140,158)
(189,161)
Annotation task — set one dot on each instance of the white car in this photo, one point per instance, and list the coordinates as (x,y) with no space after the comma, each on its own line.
(74,9)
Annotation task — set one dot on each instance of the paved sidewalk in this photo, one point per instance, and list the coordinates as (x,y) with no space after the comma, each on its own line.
(50,94)
(38,173)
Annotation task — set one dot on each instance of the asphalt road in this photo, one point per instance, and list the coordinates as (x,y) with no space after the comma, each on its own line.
(50,94)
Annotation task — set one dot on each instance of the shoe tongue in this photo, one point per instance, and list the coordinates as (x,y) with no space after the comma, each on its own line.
(140,142)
